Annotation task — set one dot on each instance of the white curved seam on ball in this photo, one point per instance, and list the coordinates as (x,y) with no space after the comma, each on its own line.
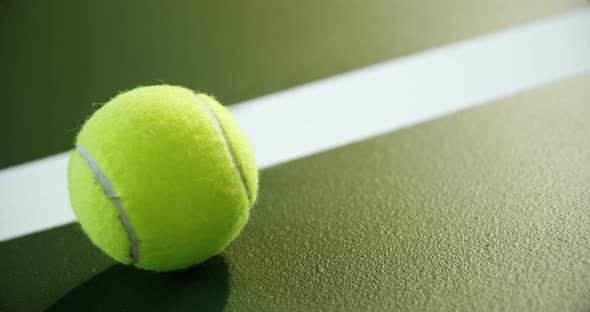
(226,141)
(111,193)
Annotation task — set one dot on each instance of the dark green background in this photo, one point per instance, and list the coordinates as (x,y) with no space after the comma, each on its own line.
(485,210)
(59,57)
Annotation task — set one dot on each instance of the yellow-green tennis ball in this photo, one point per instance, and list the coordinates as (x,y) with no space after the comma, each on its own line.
(162,178)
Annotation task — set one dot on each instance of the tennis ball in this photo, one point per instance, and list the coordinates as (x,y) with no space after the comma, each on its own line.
(162,178)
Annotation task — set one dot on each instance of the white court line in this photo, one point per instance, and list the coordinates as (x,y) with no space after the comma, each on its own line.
(349,107)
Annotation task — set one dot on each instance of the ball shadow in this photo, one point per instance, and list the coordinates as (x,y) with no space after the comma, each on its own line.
(203,287)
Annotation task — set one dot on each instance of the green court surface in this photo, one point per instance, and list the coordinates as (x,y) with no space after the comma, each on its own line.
(486,209)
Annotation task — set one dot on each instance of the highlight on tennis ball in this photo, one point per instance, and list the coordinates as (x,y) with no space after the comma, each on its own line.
(162,178)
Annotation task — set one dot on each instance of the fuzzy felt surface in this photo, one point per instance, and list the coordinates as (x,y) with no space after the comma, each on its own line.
(172,172)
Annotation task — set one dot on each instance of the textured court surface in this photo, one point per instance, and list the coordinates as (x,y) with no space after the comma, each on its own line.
(485,209)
